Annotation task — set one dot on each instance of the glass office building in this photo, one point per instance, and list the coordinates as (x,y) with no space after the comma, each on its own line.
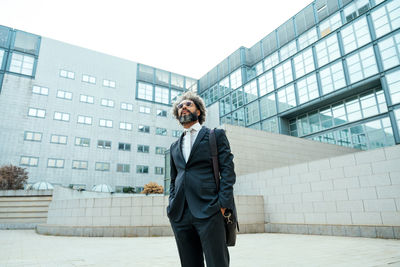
(330,73)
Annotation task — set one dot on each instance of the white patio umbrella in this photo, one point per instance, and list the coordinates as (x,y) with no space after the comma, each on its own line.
(102,188)
(42,186)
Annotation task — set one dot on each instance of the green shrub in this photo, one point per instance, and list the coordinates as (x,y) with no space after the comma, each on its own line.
(12,177)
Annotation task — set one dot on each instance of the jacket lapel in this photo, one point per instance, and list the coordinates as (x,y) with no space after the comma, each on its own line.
(200,136)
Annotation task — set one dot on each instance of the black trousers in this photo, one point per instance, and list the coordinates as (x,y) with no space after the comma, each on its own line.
(197,236)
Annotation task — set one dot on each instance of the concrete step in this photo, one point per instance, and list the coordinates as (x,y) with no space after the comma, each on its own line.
(24,209)
(23,220)
(24,203)
(23,215)
(28,198)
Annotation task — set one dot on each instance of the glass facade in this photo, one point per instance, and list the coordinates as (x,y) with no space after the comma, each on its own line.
(331,74)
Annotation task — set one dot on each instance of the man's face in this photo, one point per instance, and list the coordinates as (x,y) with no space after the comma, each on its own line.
(187,112)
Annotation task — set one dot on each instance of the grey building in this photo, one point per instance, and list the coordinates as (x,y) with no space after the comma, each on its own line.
(78,118)
(73,116)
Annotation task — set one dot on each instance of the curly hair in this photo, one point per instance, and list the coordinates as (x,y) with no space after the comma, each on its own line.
(197,100)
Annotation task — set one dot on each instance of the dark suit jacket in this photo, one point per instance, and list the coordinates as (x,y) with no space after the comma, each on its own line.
(194,180)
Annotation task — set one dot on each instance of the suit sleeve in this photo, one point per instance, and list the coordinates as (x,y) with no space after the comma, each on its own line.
(226,169)
(173,173)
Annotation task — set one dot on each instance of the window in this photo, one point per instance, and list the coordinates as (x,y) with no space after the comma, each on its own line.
(161,95)
(174,95)
(252,113)
(355,35)
(125,126)
(87,99)
(288,50)
(29,161)
(123,168)
(361,65)
(238,117)
(102,166)
(32,136)
(237,98)
(267,106)
(142,169)
(389,49)
(58,139)
(80,141)
(64,95)
(143,149)
(236,78)
(177,80)
(308,38)
(332,78)
(330,24)
(161,113)
(303,63)
(145,91)
(158,170)
(67,74)
(106,123)
(84,120)
(355,9)
(176,133)
(191,84)
(55,163)
(143,109)
(286,98)
(161,131)
(126,106)
(327,50)
(307,88)
(104,144)
(1,58)
(38,89)
(386,18)
(61,116)
(144,129)
(283,74)
(225,105)
(107,102)
(124,146)
(397,115)
(108,83)
(79,165)
(393,82)
(35,112)
(266,83)
(271,61)
(22,64)
(88,79)
(250,91)
(259,68)
(270,125)
(161,150)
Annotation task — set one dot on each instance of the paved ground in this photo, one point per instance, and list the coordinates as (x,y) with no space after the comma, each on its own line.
(26,248)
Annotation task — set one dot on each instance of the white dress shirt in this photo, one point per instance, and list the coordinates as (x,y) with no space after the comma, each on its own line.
(189,139)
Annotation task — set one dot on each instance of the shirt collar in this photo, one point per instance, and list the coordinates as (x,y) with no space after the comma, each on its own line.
(196,127)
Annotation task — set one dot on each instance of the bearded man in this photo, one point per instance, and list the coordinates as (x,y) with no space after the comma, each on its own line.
(195,207)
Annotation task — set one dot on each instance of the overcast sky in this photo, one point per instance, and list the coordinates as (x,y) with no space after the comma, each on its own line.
(182,36)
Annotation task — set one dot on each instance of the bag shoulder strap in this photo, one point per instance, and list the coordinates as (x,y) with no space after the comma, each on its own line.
(214,156)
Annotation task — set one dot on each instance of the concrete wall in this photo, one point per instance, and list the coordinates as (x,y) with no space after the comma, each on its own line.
(356,194)
(257,150)
(129,215)
(20,209)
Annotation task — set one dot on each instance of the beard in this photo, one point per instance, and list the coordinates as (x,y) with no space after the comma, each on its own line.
(183,119)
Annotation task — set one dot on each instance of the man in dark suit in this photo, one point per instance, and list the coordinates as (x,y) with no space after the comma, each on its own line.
(195,207)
